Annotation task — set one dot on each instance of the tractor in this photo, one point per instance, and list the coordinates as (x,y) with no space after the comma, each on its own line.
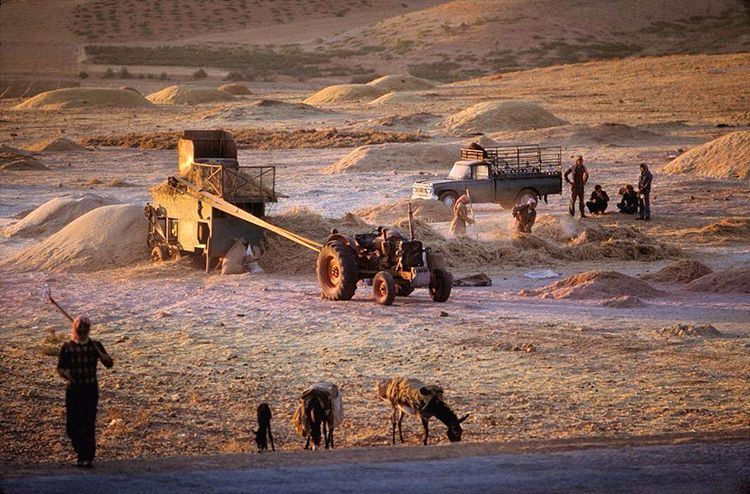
(393,265)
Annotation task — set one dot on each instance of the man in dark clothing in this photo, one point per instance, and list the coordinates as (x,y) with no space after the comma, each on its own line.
(525,216)
(598,201)
(629,202)
(76,364)
(577,183)
(644,192)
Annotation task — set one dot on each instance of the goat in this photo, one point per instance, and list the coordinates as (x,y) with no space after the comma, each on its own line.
(411,396)
(263,434)
(318,411)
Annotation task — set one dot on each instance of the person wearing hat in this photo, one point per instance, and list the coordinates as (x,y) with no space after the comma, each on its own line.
(580,176)
(76,364)
(644,193)
(525,215)
(461,216)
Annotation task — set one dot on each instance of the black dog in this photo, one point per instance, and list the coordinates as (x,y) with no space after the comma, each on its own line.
(263,434)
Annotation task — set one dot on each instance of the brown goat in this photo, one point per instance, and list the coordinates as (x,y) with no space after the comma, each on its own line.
(411,396)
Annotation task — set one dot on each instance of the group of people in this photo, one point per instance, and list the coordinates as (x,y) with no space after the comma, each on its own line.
(633,201)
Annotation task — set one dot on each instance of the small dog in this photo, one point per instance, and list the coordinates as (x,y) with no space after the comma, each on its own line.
(263,434)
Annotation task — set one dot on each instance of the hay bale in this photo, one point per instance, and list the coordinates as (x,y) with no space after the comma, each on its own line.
(683,271)
(104,238)
(493,116)
(691,331)
(343,93)
(235,89)
(595,285)
(56,144)
(184,95)
(400,82)
(736,280)
(427,210)
(725,157)
(397,156)
(60,99)
(55,214)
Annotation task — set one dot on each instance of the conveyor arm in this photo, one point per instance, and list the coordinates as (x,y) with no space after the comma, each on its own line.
(229,208)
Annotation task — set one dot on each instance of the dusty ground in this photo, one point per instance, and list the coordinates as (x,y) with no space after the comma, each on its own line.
(196,353)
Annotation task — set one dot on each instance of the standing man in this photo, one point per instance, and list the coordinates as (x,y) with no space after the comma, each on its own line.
(460,217)
(644,193)
(76,364)
(580,177)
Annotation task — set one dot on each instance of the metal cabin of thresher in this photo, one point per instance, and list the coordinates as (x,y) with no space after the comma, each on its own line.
(182,220)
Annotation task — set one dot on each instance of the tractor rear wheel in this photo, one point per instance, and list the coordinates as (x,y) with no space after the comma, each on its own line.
(440,285)
(404,289)
(337,272)
(384,288)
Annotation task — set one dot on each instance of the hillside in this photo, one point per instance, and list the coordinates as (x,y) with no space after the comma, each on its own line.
(444,41)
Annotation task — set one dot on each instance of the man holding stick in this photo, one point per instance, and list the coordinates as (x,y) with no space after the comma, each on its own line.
(76,364)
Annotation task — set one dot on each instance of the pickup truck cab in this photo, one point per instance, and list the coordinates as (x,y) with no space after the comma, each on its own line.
(504,175)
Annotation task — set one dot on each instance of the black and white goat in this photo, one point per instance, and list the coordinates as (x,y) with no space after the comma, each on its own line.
(318,412)
(263,434)
(411,396)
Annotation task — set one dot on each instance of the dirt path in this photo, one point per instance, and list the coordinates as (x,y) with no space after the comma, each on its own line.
(615,466)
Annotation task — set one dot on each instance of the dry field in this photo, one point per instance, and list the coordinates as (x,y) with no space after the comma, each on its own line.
(195,353)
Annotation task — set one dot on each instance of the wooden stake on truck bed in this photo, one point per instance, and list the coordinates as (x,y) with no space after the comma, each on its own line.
(229,208)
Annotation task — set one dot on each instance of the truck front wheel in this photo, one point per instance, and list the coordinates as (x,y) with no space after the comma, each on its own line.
(448,198)
(524,195)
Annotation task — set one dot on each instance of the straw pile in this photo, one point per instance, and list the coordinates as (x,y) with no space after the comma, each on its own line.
(689,330)
(56,144)
(342,93)
(683,271)
(183,95)
(725,157)
(400,82)
(428,210)
(12,159)
(390,156)
(55,214)
(623,302)
(493,116)
(735,280)
(402,98)
(595,285)
(60,99)
(724,230)
(281,255)
(235,89)
(104,238)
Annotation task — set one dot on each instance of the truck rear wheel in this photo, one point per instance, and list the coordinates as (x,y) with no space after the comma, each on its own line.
(440,285)
(384,288)
(448,198)
(524,195)
(337,272)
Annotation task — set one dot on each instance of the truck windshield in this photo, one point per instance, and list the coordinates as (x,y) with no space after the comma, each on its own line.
(460,172)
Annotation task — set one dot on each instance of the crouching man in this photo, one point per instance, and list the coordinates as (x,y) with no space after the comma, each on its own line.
(525,216)
(76,364)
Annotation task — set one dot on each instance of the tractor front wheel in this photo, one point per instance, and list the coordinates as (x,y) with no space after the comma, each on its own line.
(440,285)
(384,288)
(337,272)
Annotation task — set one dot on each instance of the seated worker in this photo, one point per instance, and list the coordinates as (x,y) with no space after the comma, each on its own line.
(525,216)
(629,202)
(598,201)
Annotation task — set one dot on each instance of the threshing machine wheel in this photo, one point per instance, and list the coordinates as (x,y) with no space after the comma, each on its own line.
(440,285)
